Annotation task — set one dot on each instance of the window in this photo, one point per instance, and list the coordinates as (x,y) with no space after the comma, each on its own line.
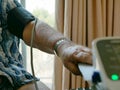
(44,10)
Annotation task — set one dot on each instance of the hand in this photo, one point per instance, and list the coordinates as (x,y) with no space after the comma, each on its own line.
(73,55)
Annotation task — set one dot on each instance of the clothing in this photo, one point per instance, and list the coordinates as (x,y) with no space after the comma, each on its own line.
(31,86)
(11,61)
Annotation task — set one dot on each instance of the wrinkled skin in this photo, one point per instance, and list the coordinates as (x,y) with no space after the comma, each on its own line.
(70,53)
(74,54)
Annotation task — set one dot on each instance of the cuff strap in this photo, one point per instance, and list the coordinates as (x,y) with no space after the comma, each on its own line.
(17,19)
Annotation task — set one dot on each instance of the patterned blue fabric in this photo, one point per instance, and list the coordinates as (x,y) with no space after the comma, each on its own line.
(11,61)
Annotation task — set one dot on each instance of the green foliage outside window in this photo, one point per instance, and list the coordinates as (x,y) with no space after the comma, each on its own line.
(45,16)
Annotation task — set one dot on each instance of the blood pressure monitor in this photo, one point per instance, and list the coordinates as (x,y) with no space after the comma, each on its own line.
(106,59)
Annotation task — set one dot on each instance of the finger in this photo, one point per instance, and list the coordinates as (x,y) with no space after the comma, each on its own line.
(73,68)
(87,84)
(82,57)
(84,49)
(87,50)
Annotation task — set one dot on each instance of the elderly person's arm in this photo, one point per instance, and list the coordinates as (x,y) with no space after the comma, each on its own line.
(21,23)
(46,38)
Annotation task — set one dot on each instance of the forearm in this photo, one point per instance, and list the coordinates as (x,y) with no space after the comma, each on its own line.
(20,23)
(45,39)
(45,36)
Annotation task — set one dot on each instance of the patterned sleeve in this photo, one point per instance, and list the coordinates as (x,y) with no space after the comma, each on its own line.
(12,4)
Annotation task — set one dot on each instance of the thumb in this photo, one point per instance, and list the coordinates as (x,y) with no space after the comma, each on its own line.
(73,68)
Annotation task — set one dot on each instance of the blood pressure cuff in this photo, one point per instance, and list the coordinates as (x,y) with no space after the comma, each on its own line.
(17,19)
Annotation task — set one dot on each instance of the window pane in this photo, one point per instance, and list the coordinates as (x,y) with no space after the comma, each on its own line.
(43,62)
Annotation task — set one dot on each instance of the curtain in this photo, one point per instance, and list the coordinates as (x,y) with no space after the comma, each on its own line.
(82,21)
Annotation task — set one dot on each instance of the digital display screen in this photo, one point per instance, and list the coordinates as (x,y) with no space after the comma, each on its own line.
(109,51)
(116,51)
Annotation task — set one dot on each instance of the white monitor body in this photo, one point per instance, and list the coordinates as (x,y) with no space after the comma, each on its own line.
(106,59)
